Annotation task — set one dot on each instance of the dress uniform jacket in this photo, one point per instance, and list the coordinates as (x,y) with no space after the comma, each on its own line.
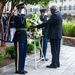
(20,35)
(54,26)
(12,23)
(44,30)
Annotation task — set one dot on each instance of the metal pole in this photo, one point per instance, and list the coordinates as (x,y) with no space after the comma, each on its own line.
(35,54)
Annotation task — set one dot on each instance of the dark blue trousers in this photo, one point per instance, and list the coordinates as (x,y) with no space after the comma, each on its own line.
(55,50)
(21,50)
(44,45)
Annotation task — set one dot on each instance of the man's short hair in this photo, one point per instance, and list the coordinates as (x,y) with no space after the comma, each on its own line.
(53,7)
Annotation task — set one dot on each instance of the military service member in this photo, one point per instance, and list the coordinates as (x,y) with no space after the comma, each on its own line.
(20,40)
(44,39)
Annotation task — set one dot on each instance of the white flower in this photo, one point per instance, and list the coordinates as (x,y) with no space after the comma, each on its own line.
(35,20)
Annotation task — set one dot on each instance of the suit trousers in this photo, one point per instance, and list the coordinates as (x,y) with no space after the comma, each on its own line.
(55,51)
(21,50)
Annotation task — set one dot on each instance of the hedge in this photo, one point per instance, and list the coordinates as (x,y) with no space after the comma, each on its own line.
(68,29)
(1,57)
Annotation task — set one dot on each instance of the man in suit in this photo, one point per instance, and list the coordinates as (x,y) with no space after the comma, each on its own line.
(20,40)
(44,39)
(54,34)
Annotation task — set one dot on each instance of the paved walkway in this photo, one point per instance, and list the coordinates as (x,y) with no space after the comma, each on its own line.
(67,59)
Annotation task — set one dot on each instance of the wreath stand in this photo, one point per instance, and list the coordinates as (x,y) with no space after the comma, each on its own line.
(35,53)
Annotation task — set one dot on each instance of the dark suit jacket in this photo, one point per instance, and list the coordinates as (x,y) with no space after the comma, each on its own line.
(54,26)
(20,35)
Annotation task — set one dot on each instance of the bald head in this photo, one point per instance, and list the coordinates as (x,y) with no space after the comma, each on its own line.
(53,9)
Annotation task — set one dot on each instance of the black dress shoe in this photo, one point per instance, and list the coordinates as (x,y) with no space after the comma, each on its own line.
(21,72)
(58,65)
(45,59)
(16,72)
(51,66)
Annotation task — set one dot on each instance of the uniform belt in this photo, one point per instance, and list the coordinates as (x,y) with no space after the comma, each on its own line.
(21,29)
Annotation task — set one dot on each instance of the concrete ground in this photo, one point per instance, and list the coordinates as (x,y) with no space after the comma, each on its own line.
(67,59)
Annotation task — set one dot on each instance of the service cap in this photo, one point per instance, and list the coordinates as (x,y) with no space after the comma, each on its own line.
(43,10)
(21,5)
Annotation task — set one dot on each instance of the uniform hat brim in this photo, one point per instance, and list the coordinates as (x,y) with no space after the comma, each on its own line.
(43,10)
(21,5)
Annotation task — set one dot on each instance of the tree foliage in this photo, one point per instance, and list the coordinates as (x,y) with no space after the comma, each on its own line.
(3,1)
(43,3)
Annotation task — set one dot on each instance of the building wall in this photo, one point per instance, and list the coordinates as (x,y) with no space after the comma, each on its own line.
(32,8)
(68,6)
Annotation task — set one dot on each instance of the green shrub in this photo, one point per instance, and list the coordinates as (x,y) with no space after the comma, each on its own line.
(68,29)
(37,42)
(1,57)
(30,47)
(10,51)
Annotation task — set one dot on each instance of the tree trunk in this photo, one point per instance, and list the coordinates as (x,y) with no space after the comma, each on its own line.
(3,44)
